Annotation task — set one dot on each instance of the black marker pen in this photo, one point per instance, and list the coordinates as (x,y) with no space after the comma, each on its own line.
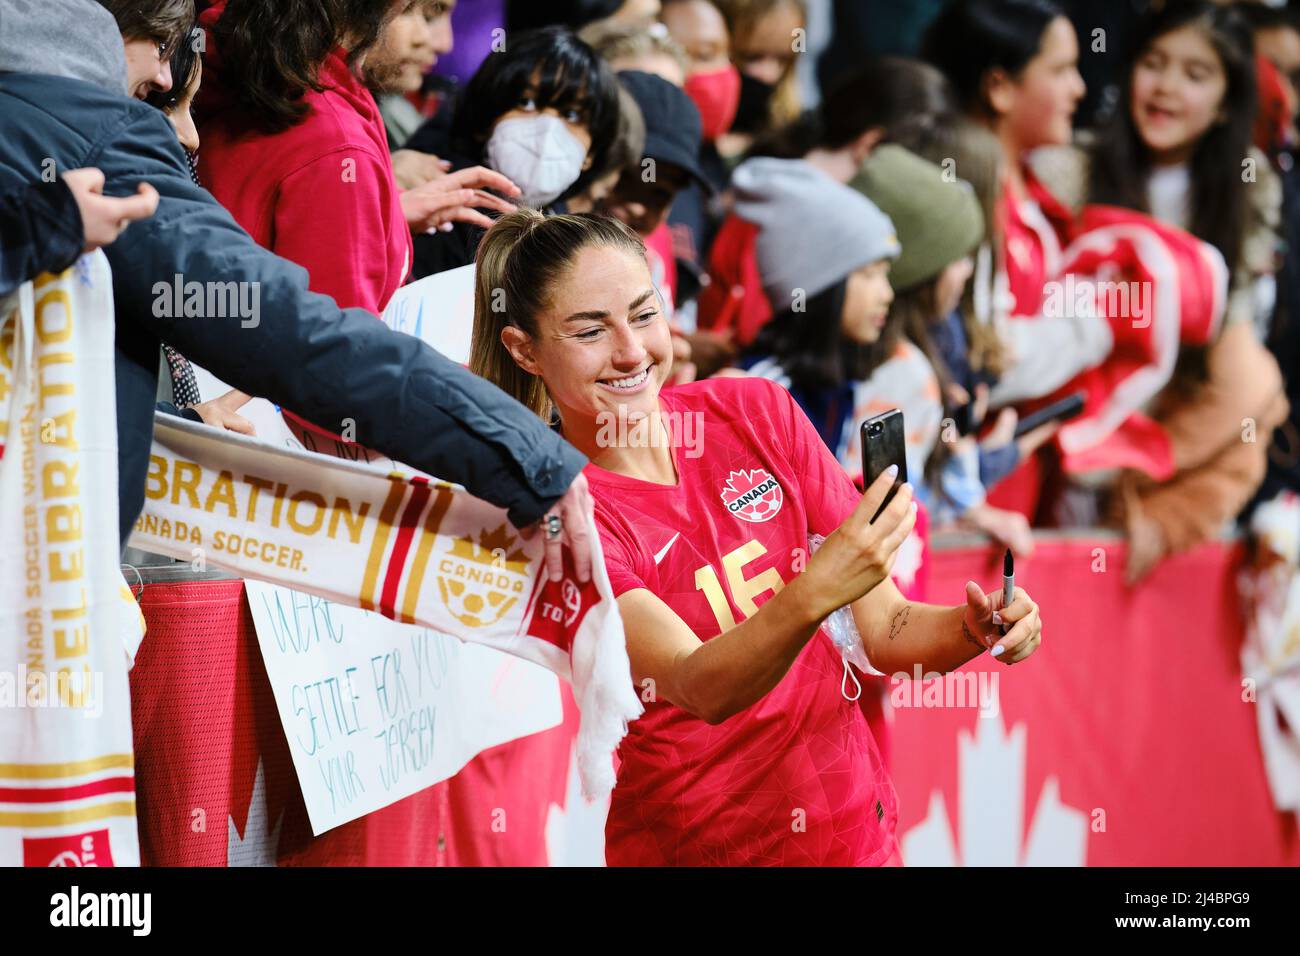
(1008,582)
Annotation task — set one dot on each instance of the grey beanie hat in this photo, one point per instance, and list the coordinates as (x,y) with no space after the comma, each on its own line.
(72,38)
(813,231)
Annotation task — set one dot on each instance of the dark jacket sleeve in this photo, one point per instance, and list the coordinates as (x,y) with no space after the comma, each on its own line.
(169,408)
(40,231)
(303,352)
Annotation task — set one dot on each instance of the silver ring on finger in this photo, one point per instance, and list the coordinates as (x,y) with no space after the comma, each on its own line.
(554,526)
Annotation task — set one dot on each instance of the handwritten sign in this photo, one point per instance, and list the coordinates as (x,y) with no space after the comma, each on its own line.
(375,711)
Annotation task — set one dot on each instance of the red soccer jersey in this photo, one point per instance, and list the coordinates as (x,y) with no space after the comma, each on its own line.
(795,779)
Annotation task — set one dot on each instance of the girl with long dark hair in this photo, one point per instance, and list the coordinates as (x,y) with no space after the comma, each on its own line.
(543,113)
(1178,145)
(295,148)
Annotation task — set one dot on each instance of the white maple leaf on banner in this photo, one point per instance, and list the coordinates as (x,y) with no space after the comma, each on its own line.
(260,844)
(991,798)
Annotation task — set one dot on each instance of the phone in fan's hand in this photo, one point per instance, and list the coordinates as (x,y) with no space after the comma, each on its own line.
(1061,410)
(883,445)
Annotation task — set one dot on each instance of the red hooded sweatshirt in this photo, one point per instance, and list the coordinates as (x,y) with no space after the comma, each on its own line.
(321,193)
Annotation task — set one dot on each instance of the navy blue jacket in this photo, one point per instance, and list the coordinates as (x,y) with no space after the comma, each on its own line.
(40,231)
(326,363)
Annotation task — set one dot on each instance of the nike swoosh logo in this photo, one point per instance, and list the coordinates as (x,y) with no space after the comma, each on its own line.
(660,556)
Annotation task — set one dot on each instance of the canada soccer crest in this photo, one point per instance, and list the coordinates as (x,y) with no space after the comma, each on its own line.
(752,495)
(480,581)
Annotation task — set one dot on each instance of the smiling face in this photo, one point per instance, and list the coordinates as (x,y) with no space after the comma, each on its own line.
(602,341)
(867,296)
(1036,108)
(1177,93)
(148,67)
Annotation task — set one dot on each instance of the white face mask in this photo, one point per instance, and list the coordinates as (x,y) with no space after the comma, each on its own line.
(538,154)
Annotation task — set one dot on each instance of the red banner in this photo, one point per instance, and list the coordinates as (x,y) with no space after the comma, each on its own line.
(1124,741)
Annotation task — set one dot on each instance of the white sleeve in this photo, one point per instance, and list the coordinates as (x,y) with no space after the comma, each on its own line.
(1047,352)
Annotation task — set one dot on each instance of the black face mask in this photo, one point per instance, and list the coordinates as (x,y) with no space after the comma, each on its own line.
(755,98)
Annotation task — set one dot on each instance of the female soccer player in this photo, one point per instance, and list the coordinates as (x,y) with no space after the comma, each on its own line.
(706,495)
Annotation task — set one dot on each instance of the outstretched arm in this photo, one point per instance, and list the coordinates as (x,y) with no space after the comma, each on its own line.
(303,352)
(899,634)
(720,677)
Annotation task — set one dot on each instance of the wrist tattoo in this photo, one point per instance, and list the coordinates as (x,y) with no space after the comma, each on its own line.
(966,632)
(899,622)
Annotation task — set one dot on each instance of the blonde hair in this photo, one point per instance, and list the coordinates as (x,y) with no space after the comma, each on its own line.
(742,17)
(629,41)
(519,262)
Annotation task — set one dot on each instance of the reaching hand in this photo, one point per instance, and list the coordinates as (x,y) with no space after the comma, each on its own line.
(104,218)
(412,168)
(572,510)
(1003,431)
(220,413)
(454,198)
(1009,528)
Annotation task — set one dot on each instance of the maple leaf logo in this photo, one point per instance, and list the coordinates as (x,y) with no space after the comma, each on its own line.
(260,844)
(480,581)
(991,797)
(752,495)
(493,548)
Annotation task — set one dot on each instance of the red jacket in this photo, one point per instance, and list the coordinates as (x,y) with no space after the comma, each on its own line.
(734,300)
(321,193)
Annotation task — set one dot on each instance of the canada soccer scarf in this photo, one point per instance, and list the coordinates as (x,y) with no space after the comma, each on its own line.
(67,787)
(415,549)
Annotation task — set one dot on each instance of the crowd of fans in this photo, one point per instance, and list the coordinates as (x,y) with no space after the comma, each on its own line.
(870,232)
